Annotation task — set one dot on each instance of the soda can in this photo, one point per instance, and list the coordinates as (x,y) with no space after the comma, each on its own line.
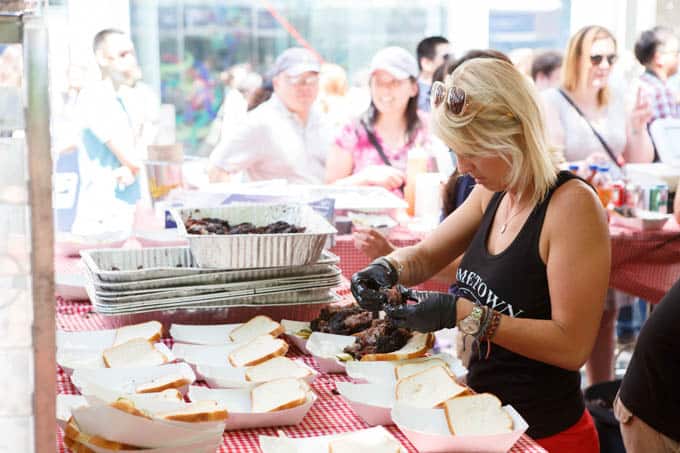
(632,195)
(663,198)
(618,194)
(654,199)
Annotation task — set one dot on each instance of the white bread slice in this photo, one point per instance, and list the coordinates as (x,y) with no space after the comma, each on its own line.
(257,326)
(428,388)
(201,411)
(134,353)
(412,367)
(170,381)
(74,439)
(417,346)
(279,395)
(276,368)
(257,351)
(151,331)
(353,443)
(479,414)
(127,406)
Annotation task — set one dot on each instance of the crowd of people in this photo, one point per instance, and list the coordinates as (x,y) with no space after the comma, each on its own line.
(523,243)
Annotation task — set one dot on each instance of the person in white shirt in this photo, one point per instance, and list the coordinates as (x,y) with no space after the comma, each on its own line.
(108,131)
(286,137)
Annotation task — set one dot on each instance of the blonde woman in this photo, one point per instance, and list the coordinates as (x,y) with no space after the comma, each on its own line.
(587,119)
(587,105)
(536,257)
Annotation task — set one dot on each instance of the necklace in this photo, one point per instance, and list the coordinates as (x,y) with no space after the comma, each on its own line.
(508,219)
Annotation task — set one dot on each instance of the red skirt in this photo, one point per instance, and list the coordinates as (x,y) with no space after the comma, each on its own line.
(581,437)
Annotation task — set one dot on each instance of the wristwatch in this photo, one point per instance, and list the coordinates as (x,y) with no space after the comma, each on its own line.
(471,324)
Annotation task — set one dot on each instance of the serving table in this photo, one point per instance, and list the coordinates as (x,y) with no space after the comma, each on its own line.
(330,414)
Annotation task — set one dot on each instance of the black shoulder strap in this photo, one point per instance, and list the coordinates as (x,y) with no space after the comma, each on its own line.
(597,134)
(374,141)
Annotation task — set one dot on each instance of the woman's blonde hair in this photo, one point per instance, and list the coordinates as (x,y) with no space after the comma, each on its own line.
(502,118)
(578,45)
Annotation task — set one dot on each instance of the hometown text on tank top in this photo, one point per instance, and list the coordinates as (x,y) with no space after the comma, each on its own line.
(514,282)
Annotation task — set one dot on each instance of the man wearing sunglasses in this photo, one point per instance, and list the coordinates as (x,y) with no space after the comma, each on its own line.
(287,136)
(657,51)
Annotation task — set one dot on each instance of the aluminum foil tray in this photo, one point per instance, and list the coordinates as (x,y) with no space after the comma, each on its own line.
(303,296)
(247,251)
(300,273)
(217,315)
(272,286)
(331,272)
(177,262)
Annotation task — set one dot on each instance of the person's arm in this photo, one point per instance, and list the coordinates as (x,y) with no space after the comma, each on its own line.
(447,242)
(639,147)
(217,174)
(577,254)
(338,165)
(117,151)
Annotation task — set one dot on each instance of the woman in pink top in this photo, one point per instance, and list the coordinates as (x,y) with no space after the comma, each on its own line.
(373,150)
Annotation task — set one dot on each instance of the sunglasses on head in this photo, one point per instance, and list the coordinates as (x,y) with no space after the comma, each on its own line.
(454,97)
(596,60)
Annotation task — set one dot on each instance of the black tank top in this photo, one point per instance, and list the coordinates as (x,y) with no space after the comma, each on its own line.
(514,282)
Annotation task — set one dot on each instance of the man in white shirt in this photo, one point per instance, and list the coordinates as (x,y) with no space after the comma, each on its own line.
(108,130)
(109,160)
(286,137)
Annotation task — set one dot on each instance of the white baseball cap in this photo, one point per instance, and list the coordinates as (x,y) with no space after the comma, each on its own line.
(397,61)
(295,61)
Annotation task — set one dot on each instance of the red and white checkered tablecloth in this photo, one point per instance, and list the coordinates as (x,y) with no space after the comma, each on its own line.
(329,414)
(645,263)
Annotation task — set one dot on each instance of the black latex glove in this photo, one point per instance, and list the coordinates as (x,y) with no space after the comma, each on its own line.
(434,311)
(368,282)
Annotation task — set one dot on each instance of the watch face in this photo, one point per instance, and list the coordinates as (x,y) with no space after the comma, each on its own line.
(470,324)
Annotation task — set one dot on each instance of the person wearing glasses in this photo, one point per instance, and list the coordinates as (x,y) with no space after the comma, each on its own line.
(586,105)
(286,137)
(535,268)
(657,51)
(373,150)
(589,121)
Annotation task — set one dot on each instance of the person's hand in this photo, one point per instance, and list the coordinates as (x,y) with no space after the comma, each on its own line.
(641,114)
(124,177)
(434,311)
(366,285)
(382,175)
(371,242)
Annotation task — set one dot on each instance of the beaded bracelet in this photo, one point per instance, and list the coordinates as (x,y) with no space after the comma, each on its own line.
(491,330)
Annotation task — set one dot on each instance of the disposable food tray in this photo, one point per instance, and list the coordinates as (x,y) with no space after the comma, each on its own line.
(247,251)
(151,268)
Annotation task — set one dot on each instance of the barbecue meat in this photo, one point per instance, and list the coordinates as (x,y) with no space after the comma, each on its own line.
(381,337)
(207,225)
(342,320)
(395,295)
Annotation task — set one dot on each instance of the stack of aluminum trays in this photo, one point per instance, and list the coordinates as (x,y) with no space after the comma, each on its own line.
(133,281)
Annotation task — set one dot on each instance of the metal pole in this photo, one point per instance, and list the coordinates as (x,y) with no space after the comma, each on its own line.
(42,231)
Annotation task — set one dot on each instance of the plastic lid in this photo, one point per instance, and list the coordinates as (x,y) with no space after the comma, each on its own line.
(592,167)
(603,168)
(573,167)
